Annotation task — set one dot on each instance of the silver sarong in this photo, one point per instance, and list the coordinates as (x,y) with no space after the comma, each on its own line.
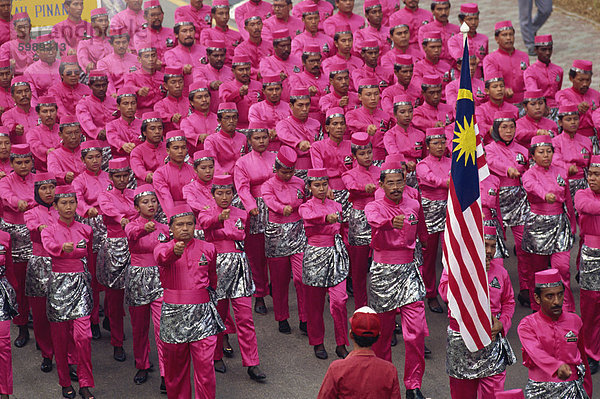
(563,390)
(435,214)
(199,234)
(325,266)
(595,143)
(69,296)
(513,205)
(106,157)
(302,173)
(8,300)
(464,364)
(37,276)
(359,231)
(258,223)
(99,231)
(547,234)
(501,248)
(342,197)
(234,278)
(411,179)
(284,239)
(418,255)
(576,185)
(391,286)
(142,285)
(20,241)
(589,269)
(116,258)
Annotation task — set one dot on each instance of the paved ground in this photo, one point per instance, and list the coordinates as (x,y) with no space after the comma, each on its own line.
(288,360)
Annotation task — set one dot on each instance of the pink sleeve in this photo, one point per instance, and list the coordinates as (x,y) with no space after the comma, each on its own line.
(228,94)
(164,253)
(271,199)
(164,113)
(135,230)
(533,186)
(528,331)
(80,188)
(285,136)
(109,209)
(8,121)
(163,191)
(50,243)
(490,68)
(310,217)
(420,122)
(316,157)
(241,177)
(376,219)
(172,60)
(508,304)
(85,120)
(497,164)
(208,219)
(113,137)
(32,222)
(430,179)
(529,78)
(389,142)
(83,54)
(137,164)
(585,204)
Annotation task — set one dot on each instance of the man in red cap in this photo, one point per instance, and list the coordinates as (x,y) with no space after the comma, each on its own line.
(151,154)
(433,64)
(123,134)
(221,31)
(214,72)
(69,91)
(187,54)
(370,52)
(543,74)
(201,122)
(175,106)
(95,111)
(65,161)
(146,81)
(433,112)
(22,118)
(535,123)
(198,13)
(361,374)
(73,29)
(413,16)
(6,75)
(441,13)
(43,73)
(153,33)
(401,46)
(281,19)
(478,42)
(258,8)
(346,15)
(375,29)
(311,34)
(339,83)
(484,114)
(227,144)
(312,77)
(557,364)
(44,138)
(269,112)
(254,47)
(120,62)
(243,90)
(325,9)
(405,84)
(281,63)
(19,49)
(343,40)
(93,49)
(131,19)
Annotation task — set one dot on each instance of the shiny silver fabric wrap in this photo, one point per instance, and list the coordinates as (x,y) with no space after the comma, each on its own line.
(302,173)
(589,268)
(188,323)
(547,234)
(418,255)
(20,241)
(595,144)
(284,239)
(576,185)
(69,296)
(234,278)
(258,223)
(464,364)
(391,286)
(7,293)
(359,232)
(411,180)
(325,266)
(342,197)
(98,229)
(435,214)
(501,247)
(37,276)
(563,390)
(142,285)
(199,234)
(106,156)
(513,205)
(116,259)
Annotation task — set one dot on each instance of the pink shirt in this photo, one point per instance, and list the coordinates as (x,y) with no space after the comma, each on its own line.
(169,106)
(388,59)
(68,33)
(477,43)
(93,114)
(115,206)
(227,150)
(587,204)
(14,188)
(358,120)
(146,158)
(352,64)
(19,51)
(230,92)
(251,171)
(194,125)
(335,157)
(93,50)
(433,175)
(59,233)
(6,100)
(180,55)
(319,233)
(413,91)
(223,234)
(140,78)
(249,9)
(36,217)
(448,30)
(63,160)
(501,157)
(538,182)
(356,179)
(370,33)
(527,127)
(200,17)
(355,21)
(489,188)
(162,40)
(383,76)
(232,39)
(41,139)
(333,100)
(256,52)
(197,195)
(119,132)
(169,180)
(117,68)
(484,114)
(572,151)
(291,131)
(587,122)
(274,65)
(511,67)
(88,187)
(272,24)
(278,194)
(141,243)
(414,19)
(425,67)
(478,87)
(209,74)
(42,76)
(305,79)
(325,10)
(319,39)
(408,142)
(426,116)
(547,78)
(16,116)
(67,97)
(268,115)
(131,20)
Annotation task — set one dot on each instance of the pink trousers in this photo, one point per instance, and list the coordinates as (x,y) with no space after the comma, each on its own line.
(482,388)
(116,313)
(96,288)
(77,331)
(359,264)
(22,318)
(41,326)
(242,312)
(315,302)
(590,314)
(413,331)
(254,245)
(177,369)
(140,326)
(430,262)
(560,261)
(6,376)
(522,262)
(281,270)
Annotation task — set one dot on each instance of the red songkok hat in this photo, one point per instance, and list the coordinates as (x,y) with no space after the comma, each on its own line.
(118,165)
(179,211)
(503,25)
(402,99)
(542,140)
(286,157)
(64,191)
(334,112)
(143,190)
(175,135)
(222,181)
(582,66)
(547,278)
(543,40)
(431,80)
(203,155)
(469,9)
(227,107)
(317,174)
(435,133)
(360,139)
(531,95)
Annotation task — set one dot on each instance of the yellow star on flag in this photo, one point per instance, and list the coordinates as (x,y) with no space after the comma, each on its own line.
(466,141)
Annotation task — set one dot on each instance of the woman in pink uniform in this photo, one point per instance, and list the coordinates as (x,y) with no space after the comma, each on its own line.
(143,292)
(8,310)
(534,123)
(325,265)
(197,192)
(39,265)
(550,223)
(507,160)
(69,304)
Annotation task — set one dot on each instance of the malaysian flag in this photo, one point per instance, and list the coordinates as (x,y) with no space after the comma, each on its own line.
(464,251)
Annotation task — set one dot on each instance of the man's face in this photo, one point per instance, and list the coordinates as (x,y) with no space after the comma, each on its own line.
(551,301)
(593,175)
(120,45)
(120,180)
(174,86)
(229,121)
(401,37)
(5,8)
(183,228)
(344,43)
(436,147)
(177,151)
(581,82)
(201,101)
(506,39)
(70,75)
(134,5)
(221,16)
(216,59)
(433,51)
(154,132)
(5,77)
(336,128)
(70,136)
(48,53)
(412,4)
(311,22)
(259,141)
(393,186)
(345,6)
(404,114)
(4,147)
(22,95)
(186,35)
(196,3)
(496,91)
(313,64)
(223,197)
(47,115)
(340,83)
(569,123)
(490,251)
(300,108)
(369,98)
(254,28)
(544,53)
(433,95)
(374,16)
(128,106)
(441,12)
(370,56)
(22,166)
(283,48)
(242,73)
(155,17)
(273,93)
(99,88)
(281,9)
(148,60)
(23,30)
(404,74)
(473,22)
(75,9)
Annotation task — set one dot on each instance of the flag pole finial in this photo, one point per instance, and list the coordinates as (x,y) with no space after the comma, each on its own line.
(464,29)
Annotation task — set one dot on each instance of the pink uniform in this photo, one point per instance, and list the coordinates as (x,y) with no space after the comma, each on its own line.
(485,116)
(232,39)
(227,149)
(68,33)
(547,78)
(6,100)
(511,67)
(335,157)
(19,51)
(425,116)
(42,76)
(527,127)
(380,35)
(274,65)
(162,40)
(131,20)
(17,116)
(197,195)
(63,160)
(408,142)
(355,22)
(325,10)
(321,82)
(146,158)
(93,50)
(352,63)
(230,92)
(88,187)
(119,132)
(41,139)
(194,125)
(67,97)
(117,68)
(425,67)
(413,91)
(14,188)
(292,131)
(181,55)
(169,106)
(414,19)
(272,24)
(200,17)
(256,52)
(268,115)
(169,181)
(320,39)
(209,74)
(586,121)
(478,45)
(572,151)
(93,114)
(388,59)
(383,76)
(447,30)
(477,86)
(358,120)
(250,9)
(140,78)
(332,100)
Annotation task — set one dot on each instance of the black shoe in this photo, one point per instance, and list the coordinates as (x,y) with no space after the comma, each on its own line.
(523,298)
(427,351)
(303,328)
(577,277)
(341,351)
(398,329)
(106,324)
(140,377)
(220,366)
(73,373)
(119,354)
(434,305)
(227,349)
(68,392)
(414,394)
(284,327)
(349,287)
(46,366)
(394,341)
(23,337)
(593,365)
(96,335)
(320,352)
(256,373)
(163,386)
(260,307)
(85,393)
